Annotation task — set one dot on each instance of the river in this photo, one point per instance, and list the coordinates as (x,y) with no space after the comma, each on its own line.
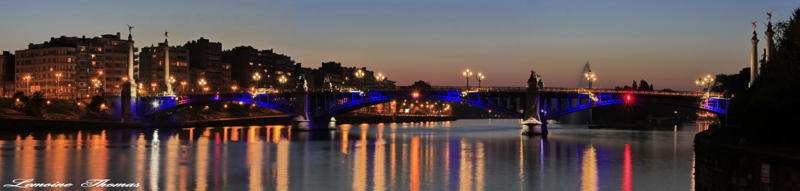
(459,155)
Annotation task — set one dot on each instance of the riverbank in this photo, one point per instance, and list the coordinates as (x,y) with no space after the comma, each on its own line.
(724,161)
(33,124)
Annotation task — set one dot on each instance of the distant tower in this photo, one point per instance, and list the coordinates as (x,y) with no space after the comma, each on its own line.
(753,59)
(166,66)
(770,45)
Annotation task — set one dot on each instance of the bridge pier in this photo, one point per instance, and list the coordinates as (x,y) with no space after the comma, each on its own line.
(533,122)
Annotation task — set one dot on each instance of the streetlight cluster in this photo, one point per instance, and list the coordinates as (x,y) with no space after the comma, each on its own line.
(707,80)
(591,77)
(467,73)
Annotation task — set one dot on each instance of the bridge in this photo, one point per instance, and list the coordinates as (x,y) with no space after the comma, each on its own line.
(319,105)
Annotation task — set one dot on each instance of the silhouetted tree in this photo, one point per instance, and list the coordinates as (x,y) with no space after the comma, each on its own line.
(96,102)
(421,85)
(37,100)
(643,85)
(634,87)
(769,107)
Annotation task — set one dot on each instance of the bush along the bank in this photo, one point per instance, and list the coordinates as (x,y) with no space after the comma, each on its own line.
(36,105)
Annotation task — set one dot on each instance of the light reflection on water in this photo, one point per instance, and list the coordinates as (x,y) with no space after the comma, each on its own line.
(459,155)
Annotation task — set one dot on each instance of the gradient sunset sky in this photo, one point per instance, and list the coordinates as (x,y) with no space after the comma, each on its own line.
(668,43)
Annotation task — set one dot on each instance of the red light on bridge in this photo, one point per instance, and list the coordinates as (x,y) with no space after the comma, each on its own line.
(628,97)
(415,95)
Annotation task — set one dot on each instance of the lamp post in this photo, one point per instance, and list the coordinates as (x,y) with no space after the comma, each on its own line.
(479,77)
(233,88)
(708,79)
(467,74)
(202,84)
(256,78)
(699,82)
(58,81)
(282,80)
(183,87)
(99,74)
(171,81)
(28,80)
(380,79)
(590,76)
(154,87)
(359,75)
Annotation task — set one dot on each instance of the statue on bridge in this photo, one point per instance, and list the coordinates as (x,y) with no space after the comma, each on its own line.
(535,79)
(327,81)
(301,83)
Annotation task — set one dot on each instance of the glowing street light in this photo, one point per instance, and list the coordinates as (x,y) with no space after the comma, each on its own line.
(183,86)
(708,80)
(154,87)
(467,74)
(282,80)
(202,83)
(28,80)
(590,76)
(381,79)
(58,81)
(359,75)
(234,88)
(479,77)
(256,78)
(700,82)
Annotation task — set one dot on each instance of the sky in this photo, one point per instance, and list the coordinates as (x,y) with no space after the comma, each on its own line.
(667,43)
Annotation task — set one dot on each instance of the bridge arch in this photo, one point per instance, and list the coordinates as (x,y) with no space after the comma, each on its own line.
(714,105)
(451,96)
(168,105)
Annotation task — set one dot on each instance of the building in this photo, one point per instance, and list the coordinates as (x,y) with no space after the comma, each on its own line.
(347,78)
(207,65)
(7,74)
(151,69)
(260,68)
(68,67)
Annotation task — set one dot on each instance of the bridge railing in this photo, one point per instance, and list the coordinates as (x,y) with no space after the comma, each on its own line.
(487,89)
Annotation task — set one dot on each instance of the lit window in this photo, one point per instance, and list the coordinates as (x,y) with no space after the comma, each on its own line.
(94,63)
(251,63)
(288,73)
(69,60)
(265,70)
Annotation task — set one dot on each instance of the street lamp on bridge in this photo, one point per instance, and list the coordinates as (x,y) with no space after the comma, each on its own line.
(467,74)
(590,76)
(256,78)
(700,82)
(380,79)
(708,80)
(479,77)
(282,80)
(359,75)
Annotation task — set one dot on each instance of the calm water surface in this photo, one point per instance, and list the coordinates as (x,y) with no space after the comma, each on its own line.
(458,155)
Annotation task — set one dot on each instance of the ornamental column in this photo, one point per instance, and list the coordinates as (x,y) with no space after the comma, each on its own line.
(770,44)
(166,67)
(129,96)
(753,59)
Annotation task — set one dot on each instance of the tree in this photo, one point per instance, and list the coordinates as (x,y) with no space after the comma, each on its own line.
(634,87)
(420,85)
(769,106)
(97,101)
(643,85)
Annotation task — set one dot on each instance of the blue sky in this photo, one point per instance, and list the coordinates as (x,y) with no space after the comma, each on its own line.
(668,43)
